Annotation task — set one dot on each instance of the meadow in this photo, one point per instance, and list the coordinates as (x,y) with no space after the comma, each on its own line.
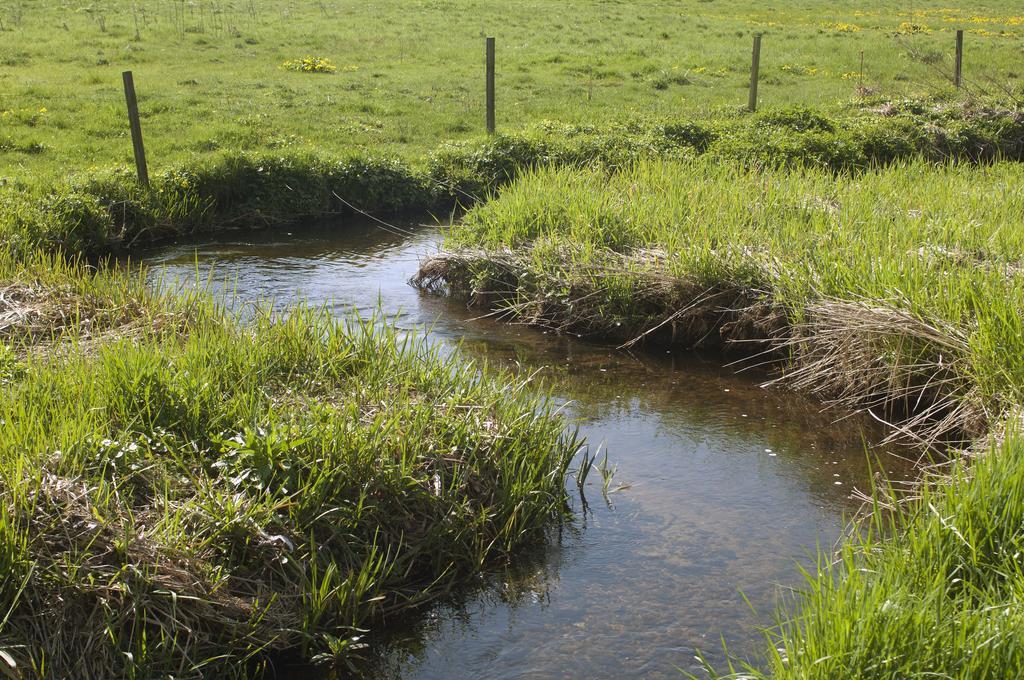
(198,496)
(409,75)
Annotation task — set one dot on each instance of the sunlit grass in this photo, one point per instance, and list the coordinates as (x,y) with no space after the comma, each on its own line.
(409,74)
(931,590)
(186,498)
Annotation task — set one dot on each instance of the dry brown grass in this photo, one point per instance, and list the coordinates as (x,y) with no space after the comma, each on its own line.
(36,316)
(97,570)
(853,354)
(667,308)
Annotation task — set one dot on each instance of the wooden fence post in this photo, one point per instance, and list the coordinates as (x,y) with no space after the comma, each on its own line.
(958,64)
(755,66)
(136,127)
(490,86)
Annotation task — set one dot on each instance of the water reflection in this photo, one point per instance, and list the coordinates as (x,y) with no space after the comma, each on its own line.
(729,485)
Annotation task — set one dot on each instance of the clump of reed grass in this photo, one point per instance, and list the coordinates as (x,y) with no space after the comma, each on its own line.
(190,502)
(888,360)
(47,300)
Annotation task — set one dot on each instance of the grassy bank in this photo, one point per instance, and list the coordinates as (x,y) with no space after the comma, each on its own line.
(200,497)
(896,289)
(862,137)
(286,487)
(183,496)
(211,76)
(103,212)
(100,211)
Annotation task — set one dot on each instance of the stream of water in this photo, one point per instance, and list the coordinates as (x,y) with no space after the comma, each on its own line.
(726,486)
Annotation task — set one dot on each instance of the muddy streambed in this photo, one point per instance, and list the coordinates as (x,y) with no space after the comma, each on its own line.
(727,486)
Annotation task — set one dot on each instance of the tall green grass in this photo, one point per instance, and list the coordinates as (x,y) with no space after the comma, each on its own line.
(190,499)
(102,210)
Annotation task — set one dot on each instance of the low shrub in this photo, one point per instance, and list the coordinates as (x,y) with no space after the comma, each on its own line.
(795,118)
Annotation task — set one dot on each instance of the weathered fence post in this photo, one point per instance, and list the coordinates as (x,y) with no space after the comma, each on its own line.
(860,75)
(136,127)
(755,66)
(490,86)
(958,64)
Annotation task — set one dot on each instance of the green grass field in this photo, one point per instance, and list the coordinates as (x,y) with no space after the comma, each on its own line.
(410,73)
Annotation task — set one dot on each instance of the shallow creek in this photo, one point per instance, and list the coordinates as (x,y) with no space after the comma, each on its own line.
(726,487)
